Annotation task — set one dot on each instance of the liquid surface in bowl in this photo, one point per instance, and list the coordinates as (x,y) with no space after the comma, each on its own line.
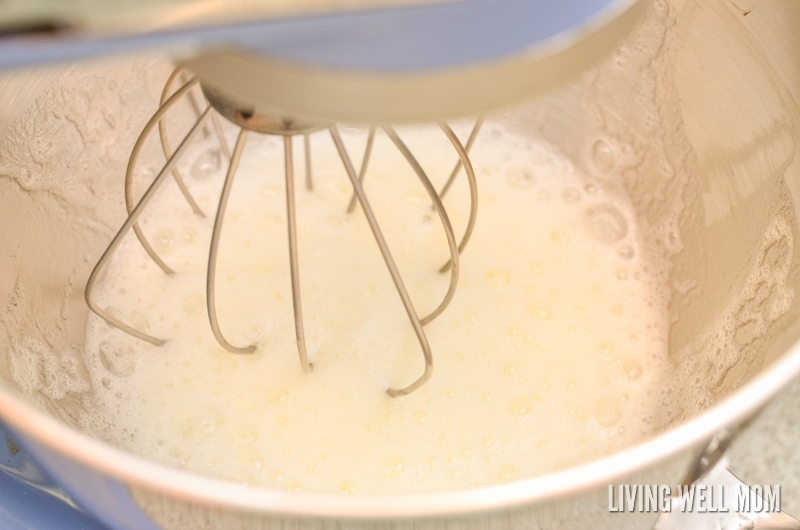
(549,355)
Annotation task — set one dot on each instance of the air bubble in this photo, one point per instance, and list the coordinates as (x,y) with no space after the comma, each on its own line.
(521,406)
(632,369)
(202,424)
(520,179)
(672,237)
(277,396)
(207,164)
(605,223)
(507,473)
(189,235)
(560,236)
(570,195)
(541,313)
(607,411)
(244,435)
(348,487)
(603,156)
(498,278)
(393,466)
(164,241)
(119,360)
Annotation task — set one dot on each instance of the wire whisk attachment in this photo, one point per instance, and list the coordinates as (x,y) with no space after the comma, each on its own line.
(209,108)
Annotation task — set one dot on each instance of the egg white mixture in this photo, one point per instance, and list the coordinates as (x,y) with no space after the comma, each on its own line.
(548,356)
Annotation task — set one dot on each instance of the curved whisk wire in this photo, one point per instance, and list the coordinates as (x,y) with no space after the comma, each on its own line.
(208,115)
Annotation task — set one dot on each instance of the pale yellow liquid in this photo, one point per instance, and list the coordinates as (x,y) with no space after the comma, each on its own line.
(548,356)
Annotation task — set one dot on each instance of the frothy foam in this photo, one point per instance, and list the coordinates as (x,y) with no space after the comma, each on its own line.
(545,359)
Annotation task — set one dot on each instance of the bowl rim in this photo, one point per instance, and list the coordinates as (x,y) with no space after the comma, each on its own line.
(137,471)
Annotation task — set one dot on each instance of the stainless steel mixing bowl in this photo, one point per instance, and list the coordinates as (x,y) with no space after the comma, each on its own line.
(694,120)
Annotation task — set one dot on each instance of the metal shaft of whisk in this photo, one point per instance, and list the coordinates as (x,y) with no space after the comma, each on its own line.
(162,133)
(463,160)
(128,224)
(162,130)
(194,101)
(390,264)
(293,261)
(470,141)
(211,275)
(442,213)
(307,152)
(364,162)
(223,144)
(137,148)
